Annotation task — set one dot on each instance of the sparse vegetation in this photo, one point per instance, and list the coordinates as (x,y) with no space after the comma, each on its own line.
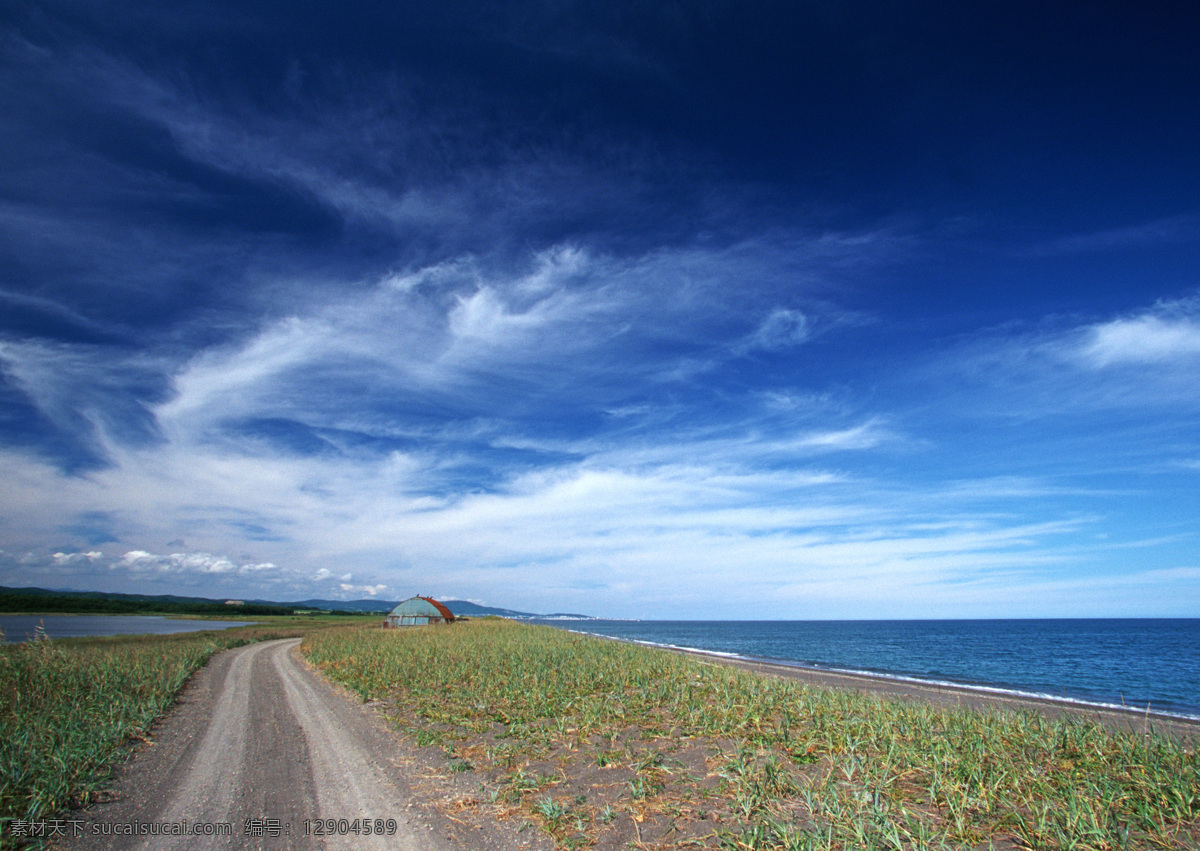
(69,706)
(612,745)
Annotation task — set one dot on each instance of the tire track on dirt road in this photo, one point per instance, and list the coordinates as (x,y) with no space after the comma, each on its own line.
(258,736)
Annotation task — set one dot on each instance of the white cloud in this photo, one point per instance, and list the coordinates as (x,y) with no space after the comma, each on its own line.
(230,381)
(447,275)
(747,445)
(585,329)
(87,391)
(484,319)
(555,267)
(570,429)
(369,590)
(864,436)
(601,521)
(595,535)
(77,558)
(1148,360)
(198,563)
(1146,339)
(781,329)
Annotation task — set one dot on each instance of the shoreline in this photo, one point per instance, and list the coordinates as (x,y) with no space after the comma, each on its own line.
(57,621)
(1137,721)
(603,745)
(948,694)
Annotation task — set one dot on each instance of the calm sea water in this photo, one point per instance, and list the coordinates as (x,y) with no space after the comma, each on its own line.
(1135,662)
(21,627)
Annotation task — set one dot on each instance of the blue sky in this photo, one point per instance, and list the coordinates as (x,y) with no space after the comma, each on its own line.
(699,309)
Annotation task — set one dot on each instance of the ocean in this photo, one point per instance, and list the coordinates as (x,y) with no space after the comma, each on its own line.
(1137,663)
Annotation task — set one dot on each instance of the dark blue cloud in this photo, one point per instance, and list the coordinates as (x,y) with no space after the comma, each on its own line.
(94,528)
(24,426)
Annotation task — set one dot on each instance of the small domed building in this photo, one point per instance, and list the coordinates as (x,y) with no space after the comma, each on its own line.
(418,611)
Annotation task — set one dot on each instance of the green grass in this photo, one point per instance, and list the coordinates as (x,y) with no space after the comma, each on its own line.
(613,745)
(69,707)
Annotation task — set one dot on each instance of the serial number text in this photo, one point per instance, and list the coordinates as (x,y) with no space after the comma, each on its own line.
(344,827)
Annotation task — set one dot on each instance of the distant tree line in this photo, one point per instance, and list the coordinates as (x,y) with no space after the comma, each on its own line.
(121,605)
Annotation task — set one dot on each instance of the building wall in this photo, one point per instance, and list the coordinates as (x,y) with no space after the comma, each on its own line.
(417,611)
(412,620)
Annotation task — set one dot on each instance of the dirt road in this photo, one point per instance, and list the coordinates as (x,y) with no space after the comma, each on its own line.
(260,744)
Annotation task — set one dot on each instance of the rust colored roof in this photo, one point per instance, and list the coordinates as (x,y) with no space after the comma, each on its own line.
(446,613)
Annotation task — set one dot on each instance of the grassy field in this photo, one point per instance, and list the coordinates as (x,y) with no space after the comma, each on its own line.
(611,745)
(68,707)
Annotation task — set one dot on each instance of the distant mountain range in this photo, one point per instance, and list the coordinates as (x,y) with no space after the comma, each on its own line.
(461,608)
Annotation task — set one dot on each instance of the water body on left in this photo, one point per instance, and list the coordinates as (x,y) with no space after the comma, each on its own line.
(23,627)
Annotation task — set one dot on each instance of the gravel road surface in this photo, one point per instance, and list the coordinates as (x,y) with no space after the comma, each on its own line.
(260,743)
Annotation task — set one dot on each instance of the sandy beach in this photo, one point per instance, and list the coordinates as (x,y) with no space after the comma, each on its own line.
(1125,720)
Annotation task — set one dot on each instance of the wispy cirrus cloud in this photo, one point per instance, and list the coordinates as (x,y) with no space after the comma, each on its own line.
(782,328)
(1149,357)
(1149,338)
(775,480)
(89,393)
(543,307)
(588,328)
(593,532)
